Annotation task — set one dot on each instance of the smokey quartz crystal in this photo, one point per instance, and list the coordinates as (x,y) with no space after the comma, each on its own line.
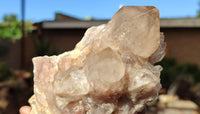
(110,71)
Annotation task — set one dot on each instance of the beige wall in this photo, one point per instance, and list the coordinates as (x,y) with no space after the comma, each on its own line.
(183,44)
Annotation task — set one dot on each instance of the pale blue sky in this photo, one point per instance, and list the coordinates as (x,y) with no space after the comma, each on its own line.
(39,10)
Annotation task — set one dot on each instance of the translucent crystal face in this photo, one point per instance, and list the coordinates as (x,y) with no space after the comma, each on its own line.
(110,71)
(75,80)
(104,67)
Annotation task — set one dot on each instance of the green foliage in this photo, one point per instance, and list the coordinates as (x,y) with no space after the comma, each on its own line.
(11,28)
(11,31)
(5,72)
(172,70)
(10,18)
(43,48)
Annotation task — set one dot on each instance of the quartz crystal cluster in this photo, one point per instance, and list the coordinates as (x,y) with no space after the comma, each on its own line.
(110,71)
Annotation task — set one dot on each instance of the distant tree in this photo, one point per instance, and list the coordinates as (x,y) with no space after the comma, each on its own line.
(10,18)
(11,27)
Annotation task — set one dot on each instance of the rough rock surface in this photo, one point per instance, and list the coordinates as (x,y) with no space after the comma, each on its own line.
(110,70)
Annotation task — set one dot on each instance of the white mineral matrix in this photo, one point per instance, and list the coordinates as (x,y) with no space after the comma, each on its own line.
(110,71)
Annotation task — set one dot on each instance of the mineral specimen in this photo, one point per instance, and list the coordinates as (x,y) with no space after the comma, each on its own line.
(110,70)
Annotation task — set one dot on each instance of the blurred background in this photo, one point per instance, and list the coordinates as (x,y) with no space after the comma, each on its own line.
(30,28)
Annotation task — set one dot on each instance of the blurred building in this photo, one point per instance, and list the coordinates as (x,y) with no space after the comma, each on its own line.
(182,36)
